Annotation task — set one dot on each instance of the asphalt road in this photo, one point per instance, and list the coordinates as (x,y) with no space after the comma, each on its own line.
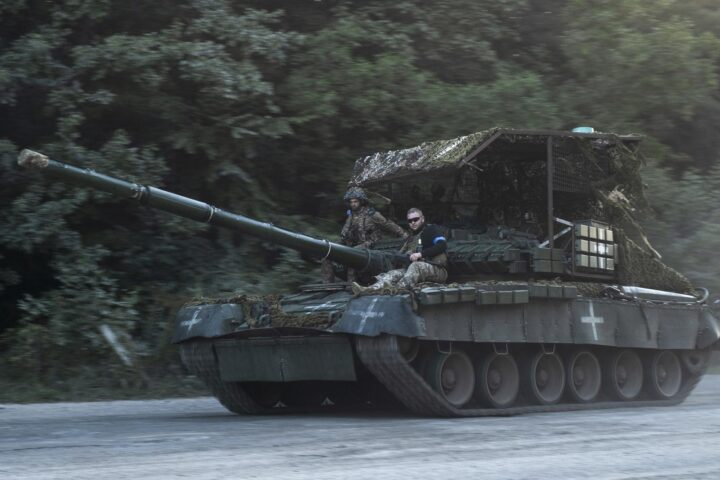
(198,439)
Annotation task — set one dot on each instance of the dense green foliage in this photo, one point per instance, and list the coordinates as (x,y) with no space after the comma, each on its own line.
(262,106)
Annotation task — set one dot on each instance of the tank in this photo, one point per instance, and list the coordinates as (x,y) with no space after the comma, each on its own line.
(555,298)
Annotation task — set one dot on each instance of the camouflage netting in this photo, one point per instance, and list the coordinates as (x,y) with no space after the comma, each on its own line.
(457,183)
(638,267)
(424,158)
(266,311)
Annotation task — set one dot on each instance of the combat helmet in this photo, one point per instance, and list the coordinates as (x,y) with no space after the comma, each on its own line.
(356,192)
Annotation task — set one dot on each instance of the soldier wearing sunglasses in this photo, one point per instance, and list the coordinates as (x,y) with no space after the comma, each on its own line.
(425,248)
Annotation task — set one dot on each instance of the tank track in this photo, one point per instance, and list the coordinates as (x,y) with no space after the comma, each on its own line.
(199,357)
(384,360)
(382,357)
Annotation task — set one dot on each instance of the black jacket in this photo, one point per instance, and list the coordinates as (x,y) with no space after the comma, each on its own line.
(430,241)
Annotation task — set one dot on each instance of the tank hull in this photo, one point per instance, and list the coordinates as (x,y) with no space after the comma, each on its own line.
(441,351)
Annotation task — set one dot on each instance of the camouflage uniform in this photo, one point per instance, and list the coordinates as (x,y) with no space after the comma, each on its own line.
(362,229)
(433,269)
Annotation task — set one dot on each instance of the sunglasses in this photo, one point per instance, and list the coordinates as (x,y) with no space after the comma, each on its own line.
(413,220)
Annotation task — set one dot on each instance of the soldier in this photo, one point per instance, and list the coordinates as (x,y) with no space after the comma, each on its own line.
(425,248)
(362,229)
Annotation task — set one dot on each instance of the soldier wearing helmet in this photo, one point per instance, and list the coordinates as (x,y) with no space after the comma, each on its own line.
(426,251)
(363,227)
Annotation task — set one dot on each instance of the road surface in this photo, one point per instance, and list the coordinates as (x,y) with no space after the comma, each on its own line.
(198,439)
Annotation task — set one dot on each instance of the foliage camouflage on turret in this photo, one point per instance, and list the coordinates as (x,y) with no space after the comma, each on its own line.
(424,158)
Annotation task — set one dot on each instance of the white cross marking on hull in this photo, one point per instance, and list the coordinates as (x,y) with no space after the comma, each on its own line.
(369,313)
(193,321)
(592,320)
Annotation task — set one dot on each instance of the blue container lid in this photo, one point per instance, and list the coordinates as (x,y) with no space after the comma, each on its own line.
(583,130)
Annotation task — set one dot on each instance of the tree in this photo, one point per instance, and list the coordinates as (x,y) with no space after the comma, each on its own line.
(175,98)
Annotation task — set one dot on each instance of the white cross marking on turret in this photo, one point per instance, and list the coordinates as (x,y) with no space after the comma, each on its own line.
(592,320)
(193,321)
(370,313)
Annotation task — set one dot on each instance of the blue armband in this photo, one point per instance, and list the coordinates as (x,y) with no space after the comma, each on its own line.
(439,239)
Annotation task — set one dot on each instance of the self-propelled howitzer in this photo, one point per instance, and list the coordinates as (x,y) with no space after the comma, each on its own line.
(555,299)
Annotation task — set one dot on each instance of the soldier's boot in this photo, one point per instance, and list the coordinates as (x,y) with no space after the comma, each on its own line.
(357,289)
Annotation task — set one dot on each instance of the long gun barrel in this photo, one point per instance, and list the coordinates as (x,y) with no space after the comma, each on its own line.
(367,261)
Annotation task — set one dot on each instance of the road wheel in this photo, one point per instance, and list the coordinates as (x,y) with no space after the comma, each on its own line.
(583,376)
(664,374)
(544,378)
(498,380)
(623,374)
(695,361)
(409,348)
(451,375)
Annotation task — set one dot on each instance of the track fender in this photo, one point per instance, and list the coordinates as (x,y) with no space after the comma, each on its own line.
(708,330)
(206,321)
(373,315)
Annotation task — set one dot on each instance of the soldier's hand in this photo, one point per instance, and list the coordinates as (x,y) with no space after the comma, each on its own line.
(414,257)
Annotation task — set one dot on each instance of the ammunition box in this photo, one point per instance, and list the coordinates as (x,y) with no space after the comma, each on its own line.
(505,297)
(485,297)
(521,296)
(431,296)
(540,291)
(467,294)
(569,291)
(451,295)
(555,291)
